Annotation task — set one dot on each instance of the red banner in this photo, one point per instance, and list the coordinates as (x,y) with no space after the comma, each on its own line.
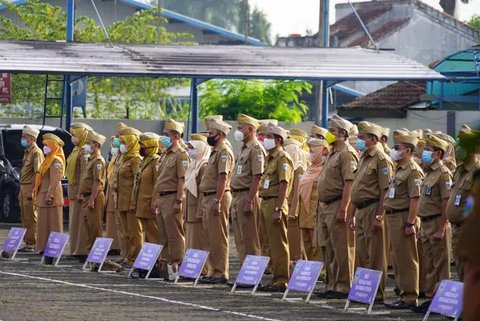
(5,88)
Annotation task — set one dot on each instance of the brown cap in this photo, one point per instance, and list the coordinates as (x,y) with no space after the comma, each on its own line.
(27,130)
(418,133)
(220,125)
(365,127)
(98,138)
(53,137)
(121,126)
(298,132)
(401,136)
(171,124)
(341,123)
(277,130)
(245,119)
(212,117)
(130,131)
(315,142)
(200,137)
(317,130)
(264,124)
(149,135)
(81,125)
(434,141)
(445,137)
(386,131)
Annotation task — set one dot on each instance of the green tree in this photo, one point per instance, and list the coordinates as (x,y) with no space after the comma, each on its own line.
(475,22)
(261,99)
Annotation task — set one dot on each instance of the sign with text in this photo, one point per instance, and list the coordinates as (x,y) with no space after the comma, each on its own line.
(99,251)
(147,257)
(192,265)
(5,88)
(252,271)
(55,245)
(14,239)
(448,299)
(364,287)
(304,277)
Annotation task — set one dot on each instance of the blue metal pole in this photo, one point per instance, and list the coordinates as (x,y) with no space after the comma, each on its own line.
(442,87)
(324,104)
(194,104)
(326,43)
(66,79)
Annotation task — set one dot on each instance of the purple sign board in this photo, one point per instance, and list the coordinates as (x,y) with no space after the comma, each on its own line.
(304,277)
(365,286)
(14,239)
(98,252)
(448,299)
(192,264)
(55,244)
(147,257)
(252,271)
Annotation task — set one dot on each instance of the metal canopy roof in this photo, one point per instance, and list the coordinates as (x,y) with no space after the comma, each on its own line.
(209,62)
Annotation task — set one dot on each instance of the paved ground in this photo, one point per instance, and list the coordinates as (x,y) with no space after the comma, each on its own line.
(29,291)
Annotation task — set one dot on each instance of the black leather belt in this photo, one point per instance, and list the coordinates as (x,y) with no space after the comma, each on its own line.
(393,211)
(457,225)
(211,193)
(240,190)
(429,218)
(333,200)
(365,203)
(166,193)
(267,197)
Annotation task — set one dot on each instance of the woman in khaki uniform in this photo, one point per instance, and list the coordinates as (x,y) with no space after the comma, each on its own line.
(199,152)
(48,190)
(76,162)
(129,164)
(111,227)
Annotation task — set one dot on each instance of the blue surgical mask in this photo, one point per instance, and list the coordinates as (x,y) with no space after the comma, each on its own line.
(166,141)
(24,143)
(427,157)
(361,145)
(116,142)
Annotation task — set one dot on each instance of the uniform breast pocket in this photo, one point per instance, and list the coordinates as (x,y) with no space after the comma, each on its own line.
(428,188)
(171,163)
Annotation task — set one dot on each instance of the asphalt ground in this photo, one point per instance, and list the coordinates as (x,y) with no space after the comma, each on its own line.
(30,291)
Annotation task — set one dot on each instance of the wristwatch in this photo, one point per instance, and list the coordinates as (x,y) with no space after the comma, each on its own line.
(277,209)
(178,201)
(379,218)
(409,224)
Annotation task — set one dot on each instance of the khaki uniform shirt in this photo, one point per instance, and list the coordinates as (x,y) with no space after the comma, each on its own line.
(51,185)
(437,185)
(373,175)
(250,161)
(405,185)
(194,204)
(171,169)
(221,161)
(95,171)
(82,160)
(462,183)
(125,180)
(340,166)
(143,193)
(32,160)
(112,185)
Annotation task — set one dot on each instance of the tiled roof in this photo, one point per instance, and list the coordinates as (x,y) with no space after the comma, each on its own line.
(380,33)
(397,96)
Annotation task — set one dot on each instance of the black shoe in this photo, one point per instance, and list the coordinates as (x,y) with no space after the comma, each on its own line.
(205,279)
(391,275)
(397,291)
(267,272)
(422,308)
(48,260)
(215,280)
(422,295)
(81,258)
(379,301)
(240,286)
(27,249)
(273,288)
(323,294)
(399,305)
(5,254)
(114,252)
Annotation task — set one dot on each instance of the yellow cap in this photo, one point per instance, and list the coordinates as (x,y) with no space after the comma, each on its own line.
(365,127)
(245,119)
(401,136)
(121,126)
(53,137)
(27,130)
(200,137)
(98,138)
(130,131)
(171,124)
(434,141)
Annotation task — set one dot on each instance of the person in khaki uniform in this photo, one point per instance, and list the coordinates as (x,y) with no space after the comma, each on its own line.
(467,154)
(334,187)
(384,140)
(48,191)
(123,193)
(76,162)
(216,201)
(275,188)
(449,158)
(110,217)
(368,193)
(318,132)
(32,160)
(435,229)
(170,192)
(246,178)
(199,152)
(144,197)
(92,185)
(401,207)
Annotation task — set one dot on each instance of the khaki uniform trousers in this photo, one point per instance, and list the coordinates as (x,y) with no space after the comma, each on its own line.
(245,227)
(405,256)
(371,245)
(93,218)
(262,236)
(436,255)
(50,219)
(278,243)
(422,270)
(28,214)
(459,263)
(170,229)
(340,249)
(215,229)
(133,235)
(121,235)
(150,229)
(111,225)
(77,229)
(194,237)
(295,241)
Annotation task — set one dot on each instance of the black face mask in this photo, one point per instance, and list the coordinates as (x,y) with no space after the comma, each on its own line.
(143,151)
(211,140)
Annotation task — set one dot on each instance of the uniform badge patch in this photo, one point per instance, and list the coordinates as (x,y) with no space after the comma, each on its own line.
(57,165)
(285,166)
(418,182)
(353,165)
(259,157)
(157,167)
(448,185)
(184,163)
(99,167)
(385,171)
(224,158)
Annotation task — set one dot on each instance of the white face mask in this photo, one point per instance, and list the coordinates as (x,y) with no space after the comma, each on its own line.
(47,150)
(123,148)
(309,157)
(114,151)
(88,148)
(268,143)
(395,154)
(192,153)
(238,136)
(75,140)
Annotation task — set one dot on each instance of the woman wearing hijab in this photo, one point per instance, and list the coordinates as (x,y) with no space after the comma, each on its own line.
(48,190)
(129,164)
(111,227)
(199,152)
(76,162)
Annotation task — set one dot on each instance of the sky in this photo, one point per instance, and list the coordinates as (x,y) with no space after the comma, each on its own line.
(289,17)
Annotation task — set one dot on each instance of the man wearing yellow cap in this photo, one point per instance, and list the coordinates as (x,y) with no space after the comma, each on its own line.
(247,174)
(144,198)
(170,189)
(334,187)
(435,229)
(275,188)
(467,154)
(215,189)
(32,160)
(401,207)
(368,192)
(92,184)
(76,162)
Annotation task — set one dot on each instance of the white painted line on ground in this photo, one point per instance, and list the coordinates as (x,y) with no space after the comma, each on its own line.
(193,305)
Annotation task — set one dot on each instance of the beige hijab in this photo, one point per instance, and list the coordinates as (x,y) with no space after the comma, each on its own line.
(203,153)
(310,176)
(298,155)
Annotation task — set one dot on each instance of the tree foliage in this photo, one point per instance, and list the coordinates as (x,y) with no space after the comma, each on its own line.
(475,22)
(260,99)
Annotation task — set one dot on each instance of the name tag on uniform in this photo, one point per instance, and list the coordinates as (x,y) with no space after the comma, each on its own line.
(157,167)
(428,190)
(458,198)
(266,184)
(239,169)
(391,192)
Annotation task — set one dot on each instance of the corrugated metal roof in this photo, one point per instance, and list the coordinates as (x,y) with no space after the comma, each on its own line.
(209,61)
